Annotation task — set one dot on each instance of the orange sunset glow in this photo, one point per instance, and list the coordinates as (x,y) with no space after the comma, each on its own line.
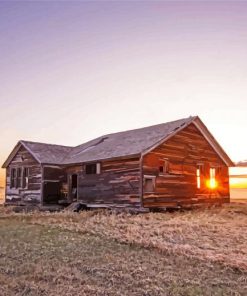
(2,178)
(238,177)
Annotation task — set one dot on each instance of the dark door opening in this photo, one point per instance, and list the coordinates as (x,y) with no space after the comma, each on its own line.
(74,181)
(51,193)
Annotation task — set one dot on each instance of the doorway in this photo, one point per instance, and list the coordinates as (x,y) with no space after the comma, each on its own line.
(73,187)
(51,193)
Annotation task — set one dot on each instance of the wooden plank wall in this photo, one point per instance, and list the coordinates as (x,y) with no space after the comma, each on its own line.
(118,184)
(54,173)
(178,188)
(33,193)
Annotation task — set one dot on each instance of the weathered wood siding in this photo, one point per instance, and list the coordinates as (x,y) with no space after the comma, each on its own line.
(184,151)
(32,194)
(54,173)
(118,184)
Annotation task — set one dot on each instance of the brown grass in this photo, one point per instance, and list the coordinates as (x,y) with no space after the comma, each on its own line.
(200,252)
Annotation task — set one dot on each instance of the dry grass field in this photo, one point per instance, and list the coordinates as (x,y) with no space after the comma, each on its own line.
(199,252)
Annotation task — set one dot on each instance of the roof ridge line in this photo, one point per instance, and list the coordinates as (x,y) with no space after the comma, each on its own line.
(42,143)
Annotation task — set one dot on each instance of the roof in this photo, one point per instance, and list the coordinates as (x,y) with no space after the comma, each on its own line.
(47,153)
(125,143)
(41,152)
(122,144)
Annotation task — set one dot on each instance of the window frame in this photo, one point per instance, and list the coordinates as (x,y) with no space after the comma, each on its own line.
(17,175)
(153,179)
(198,177)
(95,171)
(25,177)
(212,175)
(98,168)
(13,173)
(19,171)
(199,173)
(165,167)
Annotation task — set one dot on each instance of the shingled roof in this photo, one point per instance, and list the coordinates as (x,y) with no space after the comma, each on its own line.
(125,143)
(122,144)
(47,153)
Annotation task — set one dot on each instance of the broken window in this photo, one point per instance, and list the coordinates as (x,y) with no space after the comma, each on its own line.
(93,168)
(164,167)
(90,169)
(149,183)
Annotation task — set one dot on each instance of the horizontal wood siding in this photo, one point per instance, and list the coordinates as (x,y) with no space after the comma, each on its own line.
(184,151)
(54,173)
(32,194)
(116,185)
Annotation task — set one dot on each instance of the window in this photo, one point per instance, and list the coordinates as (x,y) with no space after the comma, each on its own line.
(92,169)
(218,171)
(18,183)
(25,174)
(164,168)
(13,178)
(19,178)
(198,177)
(212,181)
(149,183)
(199,174)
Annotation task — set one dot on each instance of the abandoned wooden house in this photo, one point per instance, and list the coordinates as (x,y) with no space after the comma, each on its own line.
(174,164)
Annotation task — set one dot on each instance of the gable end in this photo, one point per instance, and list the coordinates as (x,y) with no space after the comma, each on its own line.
(196,121)
(14,152)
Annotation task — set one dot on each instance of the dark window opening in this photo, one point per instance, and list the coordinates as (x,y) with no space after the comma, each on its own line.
(18,178)
(12,178)
(91,169)
(161,169)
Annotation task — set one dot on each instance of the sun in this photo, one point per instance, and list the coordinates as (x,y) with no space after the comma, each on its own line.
(212,184)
